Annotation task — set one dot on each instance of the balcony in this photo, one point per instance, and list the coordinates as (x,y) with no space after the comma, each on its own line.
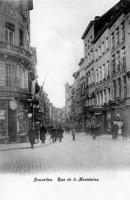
(9,91)
(13,50)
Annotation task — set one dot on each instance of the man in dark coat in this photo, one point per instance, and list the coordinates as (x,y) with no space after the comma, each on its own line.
(124,130)
(73,133)
(56,132)
(52,133)
(60,133)
(43,132)
(94,131)
(114,130)
(31,136)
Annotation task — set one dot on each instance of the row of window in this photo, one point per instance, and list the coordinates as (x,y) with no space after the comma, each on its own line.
(90,77)
(103,96)
(89,57)
(13,76)
(98,52)
(103,72)
(116,38)
(10,34)
(16,77)
(119,91)
(118,61)
(118,35)
(120,88)
(88,43)
(90,102)
(101,49)
(82,73)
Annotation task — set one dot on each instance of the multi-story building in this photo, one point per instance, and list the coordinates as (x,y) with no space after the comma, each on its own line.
(68,101)
(16,69)
(80,95)
(57,116)
(89,56)
(105,95)
(111,67)
(76,109)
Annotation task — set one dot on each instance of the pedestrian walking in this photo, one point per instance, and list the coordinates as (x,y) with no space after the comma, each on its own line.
(124,131)
(94,131)
(36,133)
(56,133)
(53,134)
(43,131)
(31,136)
(60,133)
(73,134)
(114,130)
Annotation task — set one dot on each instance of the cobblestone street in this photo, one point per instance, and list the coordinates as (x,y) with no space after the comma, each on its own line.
(82,154)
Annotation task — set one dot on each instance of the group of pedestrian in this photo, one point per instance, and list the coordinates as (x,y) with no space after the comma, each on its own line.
(119,128)
(56,133)
(43,131)
(67,129)
(34,134)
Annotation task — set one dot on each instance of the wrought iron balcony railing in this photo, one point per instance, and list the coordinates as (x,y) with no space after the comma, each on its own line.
(9,49)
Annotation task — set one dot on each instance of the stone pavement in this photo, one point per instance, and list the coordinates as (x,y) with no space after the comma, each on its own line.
(80,155)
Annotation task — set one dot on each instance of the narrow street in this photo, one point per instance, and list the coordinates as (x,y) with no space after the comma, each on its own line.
(81,155)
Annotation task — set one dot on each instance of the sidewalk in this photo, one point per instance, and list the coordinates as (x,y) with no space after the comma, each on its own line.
(67,138)
(105,137)
(109,137)
(15,146)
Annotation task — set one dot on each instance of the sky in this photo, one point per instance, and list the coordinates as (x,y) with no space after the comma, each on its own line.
(56,30)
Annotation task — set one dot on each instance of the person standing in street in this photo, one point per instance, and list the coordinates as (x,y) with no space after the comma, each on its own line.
(124,131)
(52,133)
(94,132)
(43,132)
(56,133)
(31,136)
(114,130)
(73,134)
(60,133)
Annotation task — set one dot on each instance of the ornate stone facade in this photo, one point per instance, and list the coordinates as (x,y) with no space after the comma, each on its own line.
(105,70)
(16,69)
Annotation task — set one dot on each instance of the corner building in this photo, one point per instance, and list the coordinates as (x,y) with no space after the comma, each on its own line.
(107,70)
(16,69)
